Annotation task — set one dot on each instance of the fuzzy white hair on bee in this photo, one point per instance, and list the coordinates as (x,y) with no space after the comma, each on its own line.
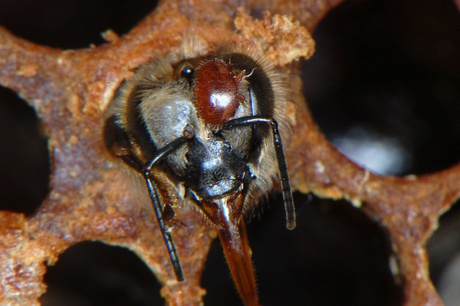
(207,126)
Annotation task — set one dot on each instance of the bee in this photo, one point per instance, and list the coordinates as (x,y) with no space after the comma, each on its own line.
(207,128)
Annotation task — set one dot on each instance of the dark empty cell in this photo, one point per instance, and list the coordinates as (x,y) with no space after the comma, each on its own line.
(384,83)
(24,160)
(70,23)
(335,256)
(93,273)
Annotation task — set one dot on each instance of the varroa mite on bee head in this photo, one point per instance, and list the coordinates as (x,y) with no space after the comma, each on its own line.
(209,125)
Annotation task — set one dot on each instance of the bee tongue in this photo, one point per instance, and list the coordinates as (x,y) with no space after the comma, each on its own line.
(236,247)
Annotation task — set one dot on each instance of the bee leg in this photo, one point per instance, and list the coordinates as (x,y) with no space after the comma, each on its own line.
(168,217)
(119,143)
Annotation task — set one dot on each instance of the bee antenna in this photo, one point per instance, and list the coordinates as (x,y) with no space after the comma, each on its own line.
(156,202)
(153,191)
(285,182)
(280,156)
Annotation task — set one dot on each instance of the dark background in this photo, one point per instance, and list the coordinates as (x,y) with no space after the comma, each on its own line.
(383,86)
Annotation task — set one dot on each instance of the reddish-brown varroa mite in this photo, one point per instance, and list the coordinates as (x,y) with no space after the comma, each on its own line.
(215,90)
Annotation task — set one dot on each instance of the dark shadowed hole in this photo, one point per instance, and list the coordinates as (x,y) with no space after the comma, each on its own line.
(444,254)
(384,83)
(335,256)
(70,23)
(24,160)
(92,273)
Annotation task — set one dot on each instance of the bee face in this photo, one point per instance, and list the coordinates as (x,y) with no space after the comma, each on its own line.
(207,124)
